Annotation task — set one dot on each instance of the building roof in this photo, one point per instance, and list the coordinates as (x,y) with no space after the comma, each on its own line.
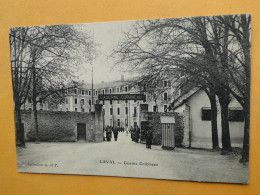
(183,98)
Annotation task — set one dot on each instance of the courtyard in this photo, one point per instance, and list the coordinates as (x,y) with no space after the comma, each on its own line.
(129,159)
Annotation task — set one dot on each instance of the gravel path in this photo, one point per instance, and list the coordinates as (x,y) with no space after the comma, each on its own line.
(129,159)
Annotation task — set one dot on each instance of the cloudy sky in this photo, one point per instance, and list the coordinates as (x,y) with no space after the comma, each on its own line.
(107,35)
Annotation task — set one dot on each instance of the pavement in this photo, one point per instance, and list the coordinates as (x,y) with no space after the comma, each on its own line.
(125,158)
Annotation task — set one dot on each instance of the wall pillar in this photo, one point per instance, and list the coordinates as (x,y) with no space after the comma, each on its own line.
(143,112)
(98,123)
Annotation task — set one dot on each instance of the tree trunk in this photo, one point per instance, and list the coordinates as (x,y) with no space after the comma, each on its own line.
(245,152)
(35,118)
(35,104)
(18,127)
(226,143)
(214,125)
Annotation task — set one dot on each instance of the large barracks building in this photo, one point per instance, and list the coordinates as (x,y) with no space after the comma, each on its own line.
(122,113)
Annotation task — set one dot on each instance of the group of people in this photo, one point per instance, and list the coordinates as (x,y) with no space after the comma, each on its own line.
(109,130)
(135,134)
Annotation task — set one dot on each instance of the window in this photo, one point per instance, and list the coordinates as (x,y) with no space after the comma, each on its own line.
(118,122)
(110,91)
(76,109)
(89,102)
(236,115)
(165,83)
(126,101)
(29,99)
(165,96)
(169,83)
(96,92)
(165,108)
(126,110)
(155,108)
(66,100)
(82,102)
(126,89)
(135,112)
(103,91)
(117,89)
(76,101)
(126,122)
(206,114)
(134,101)
(118,111)
(111,111)
(111,102)
(89,92)
(75,91)
(82,92)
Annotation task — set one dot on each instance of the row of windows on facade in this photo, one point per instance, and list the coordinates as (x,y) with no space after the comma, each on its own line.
(155,109)
(234,115)
(82,101)
(165,97)
(119,122)
(103,91)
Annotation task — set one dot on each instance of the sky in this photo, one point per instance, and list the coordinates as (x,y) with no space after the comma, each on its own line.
(107,35)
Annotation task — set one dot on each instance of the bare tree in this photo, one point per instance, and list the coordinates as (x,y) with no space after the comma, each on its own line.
(21,76)
(239,67)
(168,47)
(55,53)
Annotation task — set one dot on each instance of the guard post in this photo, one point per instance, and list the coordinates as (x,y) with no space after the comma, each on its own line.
(168,132)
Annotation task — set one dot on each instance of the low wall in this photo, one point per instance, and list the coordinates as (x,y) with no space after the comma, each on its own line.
(61,126)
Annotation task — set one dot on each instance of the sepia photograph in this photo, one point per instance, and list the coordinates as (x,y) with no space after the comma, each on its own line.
(158,99)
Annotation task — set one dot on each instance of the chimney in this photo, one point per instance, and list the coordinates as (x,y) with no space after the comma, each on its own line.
(122,78)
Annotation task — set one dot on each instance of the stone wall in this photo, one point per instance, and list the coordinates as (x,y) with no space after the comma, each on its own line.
(155,124)
(62,126)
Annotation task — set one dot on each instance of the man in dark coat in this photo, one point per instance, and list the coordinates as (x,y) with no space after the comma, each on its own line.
(109,133)
(115,133)
(149,138)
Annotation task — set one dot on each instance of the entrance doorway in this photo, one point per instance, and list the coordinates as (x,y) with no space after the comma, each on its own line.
(81,131)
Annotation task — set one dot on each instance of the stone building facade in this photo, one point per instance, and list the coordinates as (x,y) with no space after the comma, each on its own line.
(122,113)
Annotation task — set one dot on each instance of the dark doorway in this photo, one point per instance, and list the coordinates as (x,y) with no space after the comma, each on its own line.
(81,131)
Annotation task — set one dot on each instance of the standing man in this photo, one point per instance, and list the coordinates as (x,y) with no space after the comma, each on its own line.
(115,133)
(149,138)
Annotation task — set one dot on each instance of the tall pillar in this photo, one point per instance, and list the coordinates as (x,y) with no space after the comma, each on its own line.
(143,112)
(144,121)
(98,123)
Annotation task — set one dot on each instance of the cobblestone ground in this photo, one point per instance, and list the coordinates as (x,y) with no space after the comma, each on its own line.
(129,159)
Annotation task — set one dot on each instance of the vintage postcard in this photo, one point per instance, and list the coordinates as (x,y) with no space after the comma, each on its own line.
(161,98)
